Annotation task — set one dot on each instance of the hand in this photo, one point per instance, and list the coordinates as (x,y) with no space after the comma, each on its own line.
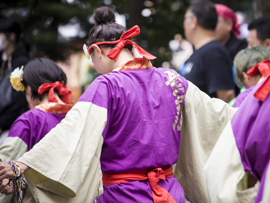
(6,189)
(5,171)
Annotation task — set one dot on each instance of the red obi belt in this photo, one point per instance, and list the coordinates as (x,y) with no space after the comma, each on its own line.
(160,195)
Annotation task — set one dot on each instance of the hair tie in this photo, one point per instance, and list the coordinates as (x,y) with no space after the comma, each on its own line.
(63,90)
(121,43)
(262,67)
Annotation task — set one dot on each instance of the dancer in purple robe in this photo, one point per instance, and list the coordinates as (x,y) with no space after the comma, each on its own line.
(120,140)
(243,62)
(48,111)
(245,144)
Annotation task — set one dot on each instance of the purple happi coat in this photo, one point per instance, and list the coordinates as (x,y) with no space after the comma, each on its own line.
(251,128)
(143,128)
(25,132)
(242,96)
(33,125)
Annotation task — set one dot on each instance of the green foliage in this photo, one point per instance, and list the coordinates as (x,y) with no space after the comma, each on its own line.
(40,20)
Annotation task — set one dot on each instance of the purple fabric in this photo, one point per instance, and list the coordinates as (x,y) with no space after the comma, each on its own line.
(33,125)
(242,96)
(251,128)
(140,131)
(261,189)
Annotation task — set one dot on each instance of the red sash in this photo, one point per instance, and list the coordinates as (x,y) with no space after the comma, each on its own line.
(160,195)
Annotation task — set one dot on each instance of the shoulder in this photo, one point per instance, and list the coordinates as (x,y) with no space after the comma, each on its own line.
(216,46)
(216,51)
(32,115)
(27,121)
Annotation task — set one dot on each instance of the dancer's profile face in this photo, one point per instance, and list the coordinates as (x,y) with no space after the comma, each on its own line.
(101,62)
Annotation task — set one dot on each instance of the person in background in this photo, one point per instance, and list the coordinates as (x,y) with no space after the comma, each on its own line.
(227,30)
(244,61)
(209,67)
(13,54)
(259,33)
(44,83)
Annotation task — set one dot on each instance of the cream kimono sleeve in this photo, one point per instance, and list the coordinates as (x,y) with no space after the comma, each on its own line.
(11,149)
(203,120)
(65,164)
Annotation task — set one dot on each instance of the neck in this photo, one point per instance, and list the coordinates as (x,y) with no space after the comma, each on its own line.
(202,37)
(123,57)
(225,39)
(45,100)
(8,51)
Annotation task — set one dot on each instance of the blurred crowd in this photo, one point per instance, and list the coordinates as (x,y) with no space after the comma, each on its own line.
(216,55)
(206,57)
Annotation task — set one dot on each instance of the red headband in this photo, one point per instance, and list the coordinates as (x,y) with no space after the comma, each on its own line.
(227,13)
(263,67)
(113,53)
(64,91)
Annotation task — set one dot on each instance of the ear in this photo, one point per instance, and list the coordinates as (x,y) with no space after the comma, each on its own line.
(246,76)
(266,43)
(97,49)
(194,22)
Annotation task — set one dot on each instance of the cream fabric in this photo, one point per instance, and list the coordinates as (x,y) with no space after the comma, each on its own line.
(224,172)
(3,136)
(65,166)
(11,149)
(203,121)
(266,190)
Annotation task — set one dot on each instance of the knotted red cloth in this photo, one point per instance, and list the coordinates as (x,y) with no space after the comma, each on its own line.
(264,68)
(64,91)
(124,40)
(227,13)
(160,195)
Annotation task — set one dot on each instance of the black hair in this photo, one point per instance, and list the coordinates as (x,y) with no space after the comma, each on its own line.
(40,71)
(262,26)
(105,28)
(205,13)
(8,26)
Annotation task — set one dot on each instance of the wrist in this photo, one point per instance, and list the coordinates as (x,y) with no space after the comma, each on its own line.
(23,166)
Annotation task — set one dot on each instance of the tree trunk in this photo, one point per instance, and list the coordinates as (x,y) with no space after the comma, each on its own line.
(135,8)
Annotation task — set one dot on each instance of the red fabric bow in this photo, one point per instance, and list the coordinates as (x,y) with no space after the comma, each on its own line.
(263,91)
(132,32)
(227,13)
(64,91)
(264,68)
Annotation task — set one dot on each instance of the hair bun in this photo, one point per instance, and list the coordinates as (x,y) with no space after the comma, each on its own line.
(104,15)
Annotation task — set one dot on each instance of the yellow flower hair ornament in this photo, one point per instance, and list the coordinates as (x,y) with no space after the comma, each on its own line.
(16,78)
